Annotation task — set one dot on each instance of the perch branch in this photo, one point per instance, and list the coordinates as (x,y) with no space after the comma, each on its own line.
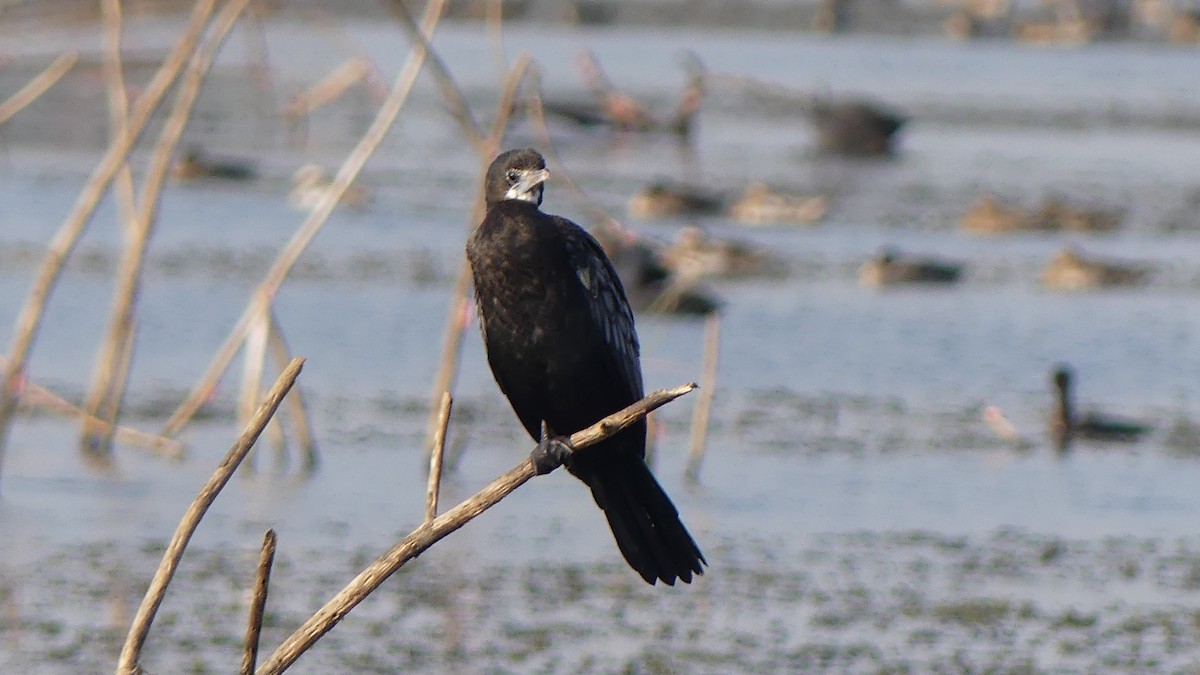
(130,653)
(435,460)
(258,603)
(431,532)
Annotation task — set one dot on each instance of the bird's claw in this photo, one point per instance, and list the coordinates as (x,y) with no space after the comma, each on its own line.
(551,452)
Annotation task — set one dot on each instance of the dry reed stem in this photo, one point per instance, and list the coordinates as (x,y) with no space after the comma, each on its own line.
(708,389)
(538,117)
(431,532)
(118,104)
(449,88)
(259,55)
(39,397)
(254,355)
(460,304)
(258,603)
(30,318)
(131,651)
(38,85)
(100,401)
(122,316)
(312,224)
(297,407)
(327,89)
(494,21)
(435,459)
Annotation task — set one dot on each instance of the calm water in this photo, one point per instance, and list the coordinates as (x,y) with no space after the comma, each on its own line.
(841,413)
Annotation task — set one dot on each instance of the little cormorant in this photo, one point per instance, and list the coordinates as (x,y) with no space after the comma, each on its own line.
(562,346)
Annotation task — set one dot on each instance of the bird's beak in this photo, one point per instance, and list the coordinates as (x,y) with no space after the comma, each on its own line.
(533,179)
(529,188)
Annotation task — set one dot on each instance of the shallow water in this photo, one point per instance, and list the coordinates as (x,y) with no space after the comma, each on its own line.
(856,513)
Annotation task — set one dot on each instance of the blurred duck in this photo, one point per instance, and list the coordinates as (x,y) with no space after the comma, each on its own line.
(663,199)
(855,128)
(1071,25)
(760,204)
(309,184)
(197,164)
(694,255)
(1066,426)
(1056,214)
(650,286)
(888,269)
(991,215)
(1070,271)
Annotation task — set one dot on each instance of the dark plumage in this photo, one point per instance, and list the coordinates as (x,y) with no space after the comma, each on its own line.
(562,346)
(855,128)
(1066,426)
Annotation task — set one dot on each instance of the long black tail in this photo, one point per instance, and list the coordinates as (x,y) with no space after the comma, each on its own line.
(643,520)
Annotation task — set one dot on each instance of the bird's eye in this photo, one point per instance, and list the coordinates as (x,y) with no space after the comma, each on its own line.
(512,175)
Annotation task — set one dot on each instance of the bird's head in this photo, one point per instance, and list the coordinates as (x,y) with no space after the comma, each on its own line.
(516,174)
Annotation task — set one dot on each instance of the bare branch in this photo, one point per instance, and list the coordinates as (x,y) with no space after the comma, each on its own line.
(258,603)
(122,317)
(433,531)
(30,318)
(37,86)
(130,653)
(435,459)
(460,304)
(708,389)
(312,224)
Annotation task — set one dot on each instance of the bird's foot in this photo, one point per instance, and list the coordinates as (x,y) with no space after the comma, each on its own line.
(551,452)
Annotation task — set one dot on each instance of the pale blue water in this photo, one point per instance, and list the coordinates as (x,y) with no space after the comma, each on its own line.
(896,378)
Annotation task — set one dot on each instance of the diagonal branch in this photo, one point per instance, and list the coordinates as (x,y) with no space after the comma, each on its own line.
(434,531)
(312,224)
(29,320)
(130,653)
(37,86)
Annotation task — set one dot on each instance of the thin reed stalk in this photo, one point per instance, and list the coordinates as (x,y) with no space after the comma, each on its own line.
(449,88)
(40,398)
(100,401)
(312,224)
(494,20)
(435,460)
(254,356)
(132,650)
(431,532)
(297,407)
(122,317)
(111,370)
(258,603)
(29,319)
(708,389)
(537,116)
(460,303)
(37,86)
(328,89)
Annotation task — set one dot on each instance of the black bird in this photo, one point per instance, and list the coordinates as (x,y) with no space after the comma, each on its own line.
(1066,426)
(562,346)
(855,128)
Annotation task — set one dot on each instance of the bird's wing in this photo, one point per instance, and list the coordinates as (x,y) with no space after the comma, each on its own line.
(608,306)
